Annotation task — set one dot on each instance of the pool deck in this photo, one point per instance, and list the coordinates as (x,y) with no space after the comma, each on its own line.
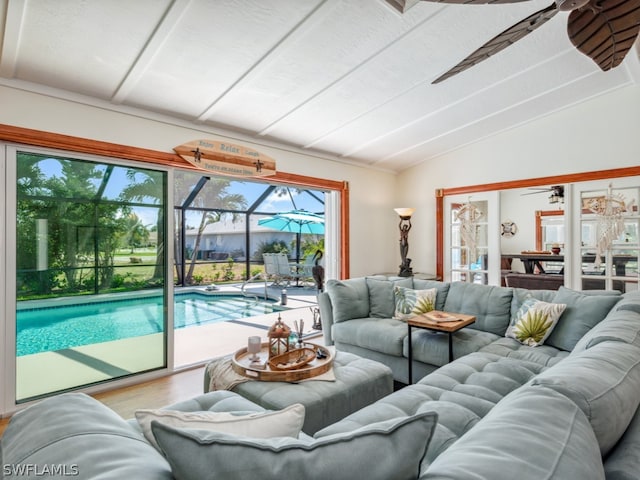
(54,371)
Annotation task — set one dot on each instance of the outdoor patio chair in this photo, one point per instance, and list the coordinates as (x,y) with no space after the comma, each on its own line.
(286,270)
(271,268)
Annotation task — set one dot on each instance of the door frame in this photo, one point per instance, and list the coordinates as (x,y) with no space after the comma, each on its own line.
(441,193)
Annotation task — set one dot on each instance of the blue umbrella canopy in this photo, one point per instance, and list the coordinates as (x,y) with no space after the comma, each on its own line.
(295,221)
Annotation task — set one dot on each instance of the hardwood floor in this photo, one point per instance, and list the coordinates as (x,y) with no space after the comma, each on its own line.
(152,394)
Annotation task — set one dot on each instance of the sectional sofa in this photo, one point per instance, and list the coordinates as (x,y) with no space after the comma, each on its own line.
(565,409)
(562,410)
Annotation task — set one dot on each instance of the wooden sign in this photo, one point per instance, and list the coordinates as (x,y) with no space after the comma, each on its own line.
(225,158)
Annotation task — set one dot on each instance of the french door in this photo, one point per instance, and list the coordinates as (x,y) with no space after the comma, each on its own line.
(472,238)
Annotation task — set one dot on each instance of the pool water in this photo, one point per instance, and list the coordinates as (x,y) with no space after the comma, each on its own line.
(57,328)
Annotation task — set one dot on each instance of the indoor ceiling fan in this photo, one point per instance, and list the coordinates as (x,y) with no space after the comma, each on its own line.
(557,193)
(604,30)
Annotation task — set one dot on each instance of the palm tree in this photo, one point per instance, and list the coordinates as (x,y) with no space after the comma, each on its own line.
(215,192)
(136,233)
(148,186)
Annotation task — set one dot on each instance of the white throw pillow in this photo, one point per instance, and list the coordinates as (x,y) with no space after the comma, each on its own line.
(534,321)
(410,302)
(282,423)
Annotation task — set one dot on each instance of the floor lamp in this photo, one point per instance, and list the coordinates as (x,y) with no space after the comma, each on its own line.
(405,226)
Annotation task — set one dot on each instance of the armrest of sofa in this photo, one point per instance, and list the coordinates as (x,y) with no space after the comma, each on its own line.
(77,436)
(326,317)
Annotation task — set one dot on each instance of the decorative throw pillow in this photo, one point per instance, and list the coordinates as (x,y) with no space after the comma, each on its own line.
(392,449)
(410,302)
(282,423)
(534,321)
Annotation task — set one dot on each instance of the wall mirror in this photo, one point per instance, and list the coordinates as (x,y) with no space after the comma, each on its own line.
(562,230)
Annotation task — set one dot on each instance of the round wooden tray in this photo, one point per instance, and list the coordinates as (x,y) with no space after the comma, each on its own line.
(241,363)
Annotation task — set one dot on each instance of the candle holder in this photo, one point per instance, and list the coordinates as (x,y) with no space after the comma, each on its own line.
(254,345)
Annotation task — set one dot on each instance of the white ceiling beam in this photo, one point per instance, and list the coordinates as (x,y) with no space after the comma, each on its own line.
(159,37)
(352,71)
(11,41)
(302,28)
(455,104)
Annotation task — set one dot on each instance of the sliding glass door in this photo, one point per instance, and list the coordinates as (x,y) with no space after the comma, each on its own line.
(90,271)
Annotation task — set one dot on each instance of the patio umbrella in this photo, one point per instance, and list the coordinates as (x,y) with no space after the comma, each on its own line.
(295,221)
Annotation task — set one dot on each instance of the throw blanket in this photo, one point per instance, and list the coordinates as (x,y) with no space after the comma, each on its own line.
(223,377)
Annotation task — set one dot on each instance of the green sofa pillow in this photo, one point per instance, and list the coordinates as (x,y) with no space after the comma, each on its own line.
(386,450)
(410,302)
(441,287)
(349,298)
(584,311)
(534,321)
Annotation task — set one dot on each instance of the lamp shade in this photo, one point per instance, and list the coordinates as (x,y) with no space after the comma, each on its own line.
(405,212)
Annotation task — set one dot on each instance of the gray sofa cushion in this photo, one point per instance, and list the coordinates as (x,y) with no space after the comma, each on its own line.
(386,450)
(381,298)
(604,382)
(433,347)
(621,325)
(508,347)
(57,431)
(385,335)
(461,393)
(557,443)
(491,305)
(583,312)
(622,463)
(349,298)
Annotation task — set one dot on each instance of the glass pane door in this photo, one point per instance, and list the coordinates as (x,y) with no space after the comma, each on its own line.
(609,236)
(90,272)
(472,239)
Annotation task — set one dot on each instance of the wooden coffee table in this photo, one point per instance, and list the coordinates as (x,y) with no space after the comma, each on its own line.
(420,321)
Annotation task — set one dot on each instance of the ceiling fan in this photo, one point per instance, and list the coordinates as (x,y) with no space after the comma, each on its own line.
(557,193)
(604,30)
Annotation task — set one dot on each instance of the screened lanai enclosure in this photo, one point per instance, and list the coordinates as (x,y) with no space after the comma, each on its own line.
(221,232)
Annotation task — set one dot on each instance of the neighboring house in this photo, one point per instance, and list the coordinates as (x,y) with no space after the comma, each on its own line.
(227,238)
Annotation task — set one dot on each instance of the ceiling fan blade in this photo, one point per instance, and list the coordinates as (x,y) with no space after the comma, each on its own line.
(502,41)
(605,30)
(403,5)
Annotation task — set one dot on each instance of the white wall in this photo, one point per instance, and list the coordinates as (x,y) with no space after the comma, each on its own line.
(372,192)
(599,134)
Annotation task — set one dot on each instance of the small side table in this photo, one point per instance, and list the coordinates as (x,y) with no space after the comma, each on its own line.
(420,321)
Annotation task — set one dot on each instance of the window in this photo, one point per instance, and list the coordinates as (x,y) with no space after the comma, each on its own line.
(90,272)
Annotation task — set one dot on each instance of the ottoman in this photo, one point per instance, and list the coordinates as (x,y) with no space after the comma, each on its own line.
(359,382)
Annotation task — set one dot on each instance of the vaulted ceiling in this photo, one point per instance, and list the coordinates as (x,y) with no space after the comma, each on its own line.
(348,78)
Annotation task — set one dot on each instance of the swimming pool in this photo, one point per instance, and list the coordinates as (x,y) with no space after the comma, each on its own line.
(59,327)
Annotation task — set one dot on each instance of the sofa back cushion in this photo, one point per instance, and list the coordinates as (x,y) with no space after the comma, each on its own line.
(381,298)
(622,463)
(491,305)
(349,298)
(604,382)
(532,434)
(520,295)
(584,311)
(621,325)
(203,455)
(442,290)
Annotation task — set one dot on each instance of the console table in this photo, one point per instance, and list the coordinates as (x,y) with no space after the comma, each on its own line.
(420,321)
(532,260)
